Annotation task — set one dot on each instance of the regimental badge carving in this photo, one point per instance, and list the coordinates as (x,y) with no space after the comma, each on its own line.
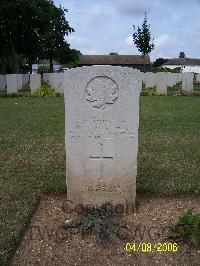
(101,92)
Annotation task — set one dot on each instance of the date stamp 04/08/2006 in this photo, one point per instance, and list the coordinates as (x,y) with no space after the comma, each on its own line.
(150,247)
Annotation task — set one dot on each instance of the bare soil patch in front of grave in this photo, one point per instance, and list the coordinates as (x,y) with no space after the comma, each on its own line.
(149,224)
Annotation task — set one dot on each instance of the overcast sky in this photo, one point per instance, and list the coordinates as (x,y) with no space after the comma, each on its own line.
(102,26)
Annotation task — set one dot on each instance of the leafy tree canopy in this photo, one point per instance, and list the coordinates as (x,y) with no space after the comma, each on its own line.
(142,38)
(182,55)
(32,30)
(159,62)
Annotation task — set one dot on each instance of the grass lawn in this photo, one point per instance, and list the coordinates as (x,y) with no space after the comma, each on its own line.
(32,156)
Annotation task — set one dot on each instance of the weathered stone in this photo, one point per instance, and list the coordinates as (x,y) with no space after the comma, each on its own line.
(187,81)
(172,79)
(46,77)
(150,79)
(178,77)
(19,82)
(35,82)
(11,81)
(56,80)
(161,83)
(101,134)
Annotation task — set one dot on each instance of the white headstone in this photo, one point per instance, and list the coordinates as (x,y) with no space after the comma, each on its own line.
(11,81)
(101,134)
(172,79)
(2,82)
(150,79)
(19,82)
(46,78)
(187,81)
(35,82)
(161,83)
(56,81)
(178,77)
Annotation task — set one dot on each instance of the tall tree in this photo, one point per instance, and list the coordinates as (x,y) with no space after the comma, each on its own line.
(142,38)
(8,36)
(52,44)
(182,55)
(31,30)
(159,62)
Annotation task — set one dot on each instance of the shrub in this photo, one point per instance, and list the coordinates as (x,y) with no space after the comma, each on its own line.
(3,95)
(44,90)
(187,228)
(148,92)
(102,222)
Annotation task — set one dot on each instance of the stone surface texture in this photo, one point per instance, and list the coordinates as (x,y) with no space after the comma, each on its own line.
(56,80)
(35,82)
(150,79)
(11,81)
(187,81)
(101,134)
(162,83)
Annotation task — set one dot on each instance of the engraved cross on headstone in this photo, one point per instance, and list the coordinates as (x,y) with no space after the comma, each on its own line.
(101,157)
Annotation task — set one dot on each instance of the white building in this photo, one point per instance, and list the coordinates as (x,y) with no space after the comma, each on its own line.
(186,64)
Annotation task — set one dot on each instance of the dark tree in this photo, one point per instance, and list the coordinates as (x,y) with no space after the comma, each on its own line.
(52,44)
(159,62)
(32,30)
(142,38)
(113,53)
(182,55)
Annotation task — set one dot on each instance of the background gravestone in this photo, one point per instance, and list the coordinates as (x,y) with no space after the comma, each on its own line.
(35,82)
(46,77)
(150,79)
(55,80)
(101,134)
(187,81)
(19,82)
(162,83)
(11,81)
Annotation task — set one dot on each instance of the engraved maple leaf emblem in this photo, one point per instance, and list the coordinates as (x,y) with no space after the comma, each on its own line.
(102,92)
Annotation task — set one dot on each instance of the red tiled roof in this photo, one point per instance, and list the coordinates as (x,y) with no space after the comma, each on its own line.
(114,60)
